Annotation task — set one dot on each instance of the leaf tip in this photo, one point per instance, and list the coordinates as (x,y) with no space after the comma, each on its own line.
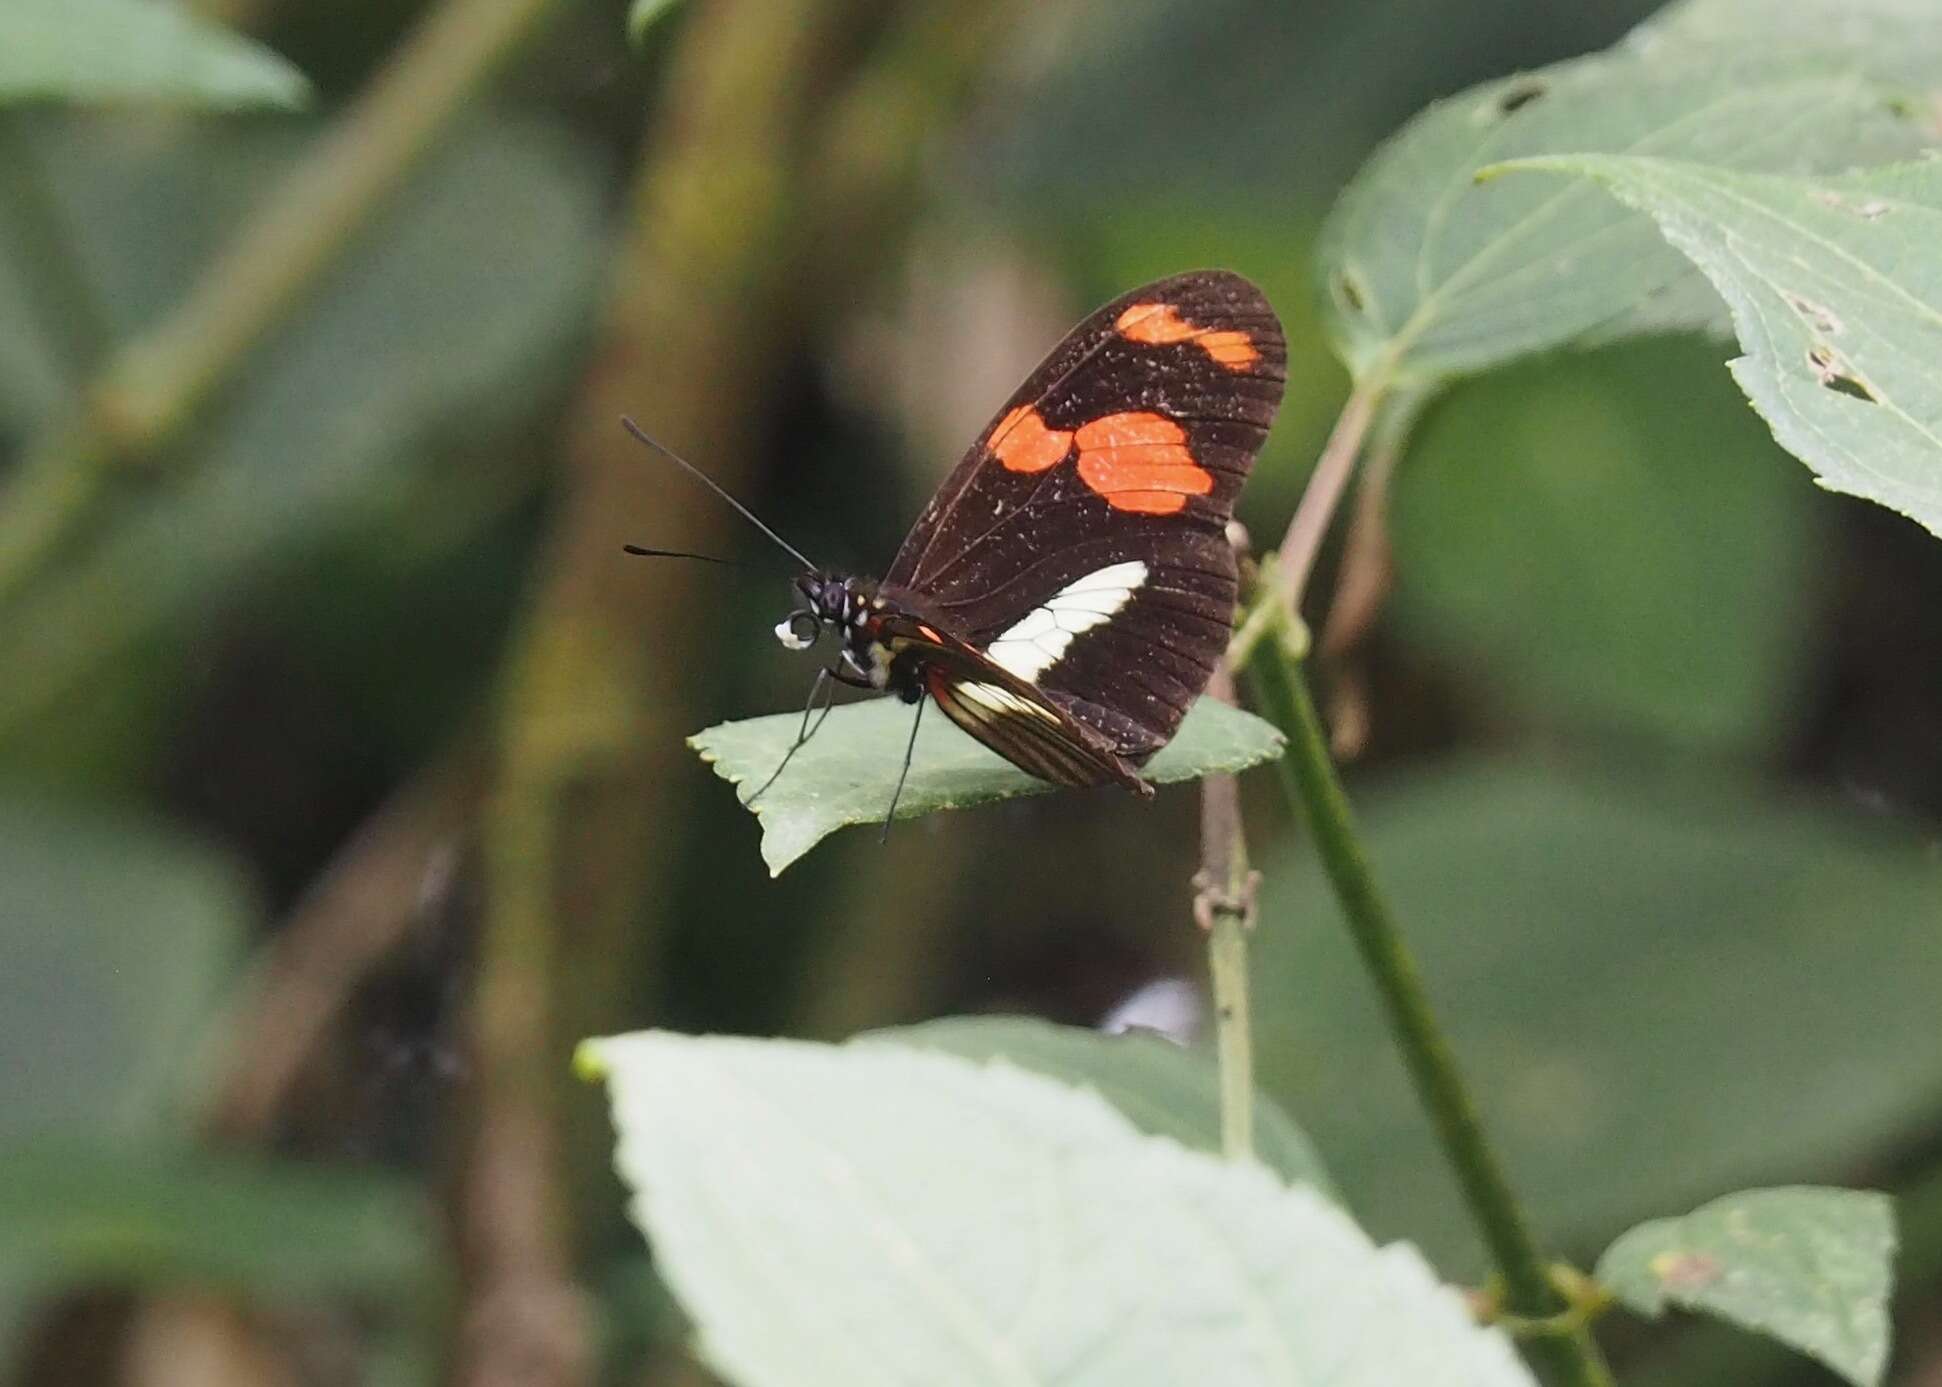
(590,1061)
(644,16)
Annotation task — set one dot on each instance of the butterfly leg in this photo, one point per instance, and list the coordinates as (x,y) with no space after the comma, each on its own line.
(824,688)
(910,749)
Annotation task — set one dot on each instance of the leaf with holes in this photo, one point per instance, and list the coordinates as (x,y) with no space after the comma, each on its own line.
(100,51)
(1163,1089)
(839,1214)
(1835,287)
(847,773)
(1812,1268)
(1430,275)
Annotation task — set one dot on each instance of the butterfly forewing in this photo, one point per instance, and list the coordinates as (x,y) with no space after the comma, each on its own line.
(1080,545)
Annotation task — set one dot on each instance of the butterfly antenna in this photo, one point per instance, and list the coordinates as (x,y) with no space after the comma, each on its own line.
(715,487)
(646,553)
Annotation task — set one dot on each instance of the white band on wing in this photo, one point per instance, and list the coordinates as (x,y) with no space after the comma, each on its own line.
(1039,639)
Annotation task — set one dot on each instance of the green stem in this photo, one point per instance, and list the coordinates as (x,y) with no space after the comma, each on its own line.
(153,386)
(1275,674)
(1233,1037)
(1224,908)
(69,314)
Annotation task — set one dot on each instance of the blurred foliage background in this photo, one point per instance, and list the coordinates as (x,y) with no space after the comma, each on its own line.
(341,772)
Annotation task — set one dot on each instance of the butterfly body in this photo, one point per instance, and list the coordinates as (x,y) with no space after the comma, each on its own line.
(1066,594)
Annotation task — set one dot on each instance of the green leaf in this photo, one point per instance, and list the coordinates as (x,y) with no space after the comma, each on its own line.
(1898,40)
(420,337)
(1605,540)
(1656,981)
(1430,275)
(1811,1267)
(115,941)
(1163,1089)
(848,771)
(830,1215)
(162,1216)
(75,1213)
(644,15)
(1835,286)
(147,51)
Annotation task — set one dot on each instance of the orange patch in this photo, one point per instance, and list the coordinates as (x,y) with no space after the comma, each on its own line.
(1140,462)
(1023,444)
(1160,325)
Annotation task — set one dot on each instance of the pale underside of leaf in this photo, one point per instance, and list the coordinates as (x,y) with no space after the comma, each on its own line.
(1810,1267)
(1162,1088)
(1898,40)
(1430,275)
(847,773)
(869,1214)
(1835,288)
(146,51)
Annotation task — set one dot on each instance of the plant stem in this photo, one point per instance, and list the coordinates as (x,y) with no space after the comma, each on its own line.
(1224,908)
(153,386)
(1276,677)
(1234,1044)
(1303,542)
(64,305)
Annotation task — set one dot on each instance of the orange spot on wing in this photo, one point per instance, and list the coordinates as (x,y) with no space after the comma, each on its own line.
(1022,442)
(1233,349)
(1160,325)
(1140,462)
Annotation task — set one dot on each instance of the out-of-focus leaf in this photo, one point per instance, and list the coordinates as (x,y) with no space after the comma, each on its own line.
(1431,275)
(1813,1268)
(159,1216)
(848,771)
(114,943)
(643,15)
(1607,538)
(1164,1089)
(1084,121)
(968,1224)
(1657,983)
(76,1213)
(149,51)
(1835,286)
(454,314)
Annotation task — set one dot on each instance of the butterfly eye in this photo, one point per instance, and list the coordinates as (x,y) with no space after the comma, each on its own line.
(798,631)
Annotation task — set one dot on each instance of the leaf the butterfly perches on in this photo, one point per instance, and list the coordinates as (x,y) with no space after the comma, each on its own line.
(1066,594)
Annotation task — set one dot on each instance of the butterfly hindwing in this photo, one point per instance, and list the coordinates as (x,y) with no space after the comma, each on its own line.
(1080,545)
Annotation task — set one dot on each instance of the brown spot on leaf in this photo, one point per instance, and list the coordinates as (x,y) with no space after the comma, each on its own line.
(1520,95)
(1831,369)
(1685,1271)
(1819,318)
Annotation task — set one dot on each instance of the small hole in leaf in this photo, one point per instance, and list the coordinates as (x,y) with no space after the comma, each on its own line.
(1348,291)
(1519,96)
(1836,375)
(1819,318)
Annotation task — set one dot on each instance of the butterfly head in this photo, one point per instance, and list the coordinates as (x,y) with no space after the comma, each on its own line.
(843,605)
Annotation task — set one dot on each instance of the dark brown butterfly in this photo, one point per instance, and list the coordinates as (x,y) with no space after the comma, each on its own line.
(1067,592)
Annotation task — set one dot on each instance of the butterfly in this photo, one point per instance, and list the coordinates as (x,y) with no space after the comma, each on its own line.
(1066,594)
